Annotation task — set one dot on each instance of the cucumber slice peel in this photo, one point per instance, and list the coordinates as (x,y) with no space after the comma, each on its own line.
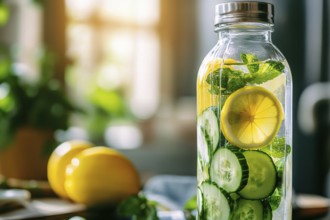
(251,210)
(262,175)
(202,171)
(267,211)
(208,124)
(217,203)
(202,145)
(229,169)
(200,205)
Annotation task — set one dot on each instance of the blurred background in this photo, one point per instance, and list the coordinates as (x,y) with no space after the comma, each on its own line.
(122,74)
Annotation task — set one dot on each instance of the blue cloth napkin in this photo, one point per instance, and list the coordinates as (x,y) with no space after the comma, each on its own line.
(171,192)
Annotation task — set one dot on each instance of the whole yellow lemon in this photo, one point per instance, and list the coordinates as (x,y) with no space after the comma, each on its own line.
(101,175)
(58,162)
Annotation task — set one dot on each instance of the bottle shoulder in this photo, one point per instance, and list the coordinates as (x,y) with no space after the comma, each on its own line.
(262,50)
(236,54)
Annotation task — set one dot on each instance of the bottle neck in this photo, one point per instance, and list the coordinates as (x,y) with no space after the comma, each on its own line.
(258,32)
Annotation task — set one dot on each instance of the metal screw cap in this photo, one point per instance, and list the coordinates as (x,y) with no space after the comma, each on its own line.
(233,12)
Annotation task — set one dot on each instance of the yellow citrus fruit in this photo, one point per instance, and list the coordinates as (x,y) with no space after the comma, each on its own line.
(101,175)
(58,162)
(251,117)
(204,98)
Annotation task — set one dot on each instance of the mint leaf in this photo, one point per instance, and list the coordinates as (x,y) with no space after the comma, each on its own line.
(261,71)
(280,169)
(277,148)
(250,61)
(213,79)
(131,206)
(275,199)
(234,83)
(226,81)
(191,204)
(189,207)
(267,71)
(138,207)
(277,65)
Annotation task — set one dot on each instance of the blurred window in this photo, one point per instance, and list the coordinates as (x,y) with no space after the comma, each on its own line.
(114,49)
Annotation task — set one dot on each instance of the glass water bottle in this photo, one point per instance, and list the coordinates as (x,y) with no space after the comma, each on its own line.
(244,121)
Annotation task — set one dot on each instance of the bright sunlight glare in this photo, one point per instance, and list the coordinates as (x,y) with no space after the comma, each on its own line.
(81,9)
(142,12)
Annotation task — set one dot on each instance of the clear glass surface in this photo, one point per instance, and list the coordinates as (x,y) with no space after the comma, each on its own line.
(244,127)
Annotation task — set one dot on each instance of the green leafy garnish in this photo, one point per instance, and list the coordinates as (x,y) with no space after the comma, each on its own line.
(275,199)
(267,71)
(226,80)
(138,207)
(278,148)
(214,80)
(231,80)
(189,207)
(191,204)
(280,169)
(250,61)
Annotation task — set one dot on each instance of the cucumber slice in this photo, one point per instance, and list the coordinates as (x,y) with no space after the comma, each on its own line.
(217,203)
(202,145)
(267,211)
(262,175)
(202,171)
(229,169)
(200,203)
(251,210)
(209,125)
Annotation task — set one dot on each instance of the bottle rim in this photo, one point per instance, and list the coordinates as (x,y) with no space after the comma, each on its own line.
(247,11)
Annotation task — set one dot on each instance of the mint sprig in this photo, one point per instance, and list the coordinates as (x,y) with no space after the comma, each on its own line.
(267,71)
(275,199)
(278,148)
(189,207)
(227,80)
(250,61)
(138,207)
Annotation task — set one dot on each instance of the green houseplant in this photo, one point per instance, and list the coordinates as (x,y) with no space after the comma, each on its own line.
(30,113)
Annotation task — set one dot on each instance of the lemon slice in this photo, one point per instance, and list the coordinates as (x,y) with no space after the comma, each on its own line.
(251,117)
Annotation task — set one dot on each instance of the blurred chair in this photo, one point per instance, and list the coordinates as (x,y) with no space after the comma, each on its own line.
(314,118)
(310,97)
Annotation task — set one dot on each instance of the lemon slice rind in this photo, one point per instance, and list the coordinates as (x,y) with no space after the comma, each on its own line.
(251,117)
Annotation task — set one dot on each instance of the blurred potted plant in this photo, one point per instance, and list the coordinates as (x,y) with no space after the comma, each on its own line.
(30,113)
